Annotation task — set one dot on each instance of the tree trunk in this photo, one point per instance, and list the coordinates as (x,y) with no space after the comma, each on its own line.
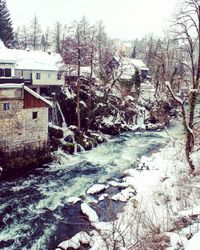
(188,149)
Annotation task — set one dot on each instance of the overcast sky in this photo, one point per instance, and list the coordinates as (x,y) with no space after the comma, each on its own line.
(124,19)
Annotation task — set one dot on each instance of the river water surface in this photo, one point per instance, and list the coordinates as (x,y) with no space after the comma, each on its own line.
(34,213)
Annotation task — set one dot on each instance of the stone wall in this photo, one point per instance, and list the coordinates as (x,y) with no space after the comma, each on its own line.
(14,106)
(18,129)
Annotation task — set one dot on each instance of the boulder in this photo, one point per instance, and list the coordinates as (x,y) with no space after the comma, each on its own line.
(56,132)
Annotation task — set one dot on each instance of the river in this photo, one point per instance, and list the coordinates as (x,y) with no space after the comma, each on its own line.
(34,213)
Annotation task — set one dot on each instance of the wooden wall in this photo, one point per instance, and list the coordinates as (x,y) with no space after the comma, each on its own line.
(31,101)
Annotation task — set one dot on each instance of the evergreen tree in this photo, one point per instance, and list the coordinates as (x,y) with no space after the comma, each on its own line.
(137,82)
(134,53)
(6,30)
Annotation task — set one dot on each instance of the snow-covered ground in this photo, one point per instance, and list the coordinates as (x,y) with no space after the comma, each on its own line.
(162,206)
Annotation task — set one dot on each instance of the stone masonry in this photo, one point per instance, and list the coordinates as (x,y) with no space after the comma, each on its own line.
(18,129)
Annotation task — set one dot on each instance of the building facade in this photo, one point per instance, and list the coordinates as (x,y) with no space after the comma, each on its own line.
(38,70)
(23,118)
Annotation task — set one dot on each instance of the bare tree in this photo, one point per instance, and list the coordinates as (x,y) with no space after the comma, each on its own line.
(187,32)
(35,31)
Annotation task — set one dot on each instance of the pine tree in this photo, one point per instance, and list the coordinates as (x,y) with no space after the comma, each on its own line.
(137,82)
(134,53)
(6,30)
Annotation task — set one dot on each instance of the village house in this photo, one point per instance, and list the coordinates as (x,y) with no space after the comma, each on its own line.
(41,71)
(23,128)
(23,118)
(126,68)
(123,69)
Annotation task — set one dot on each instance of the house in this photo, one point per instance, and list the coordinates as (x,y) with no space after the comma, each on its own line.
(71,73)
(126,68)
(38,70)
(23,118)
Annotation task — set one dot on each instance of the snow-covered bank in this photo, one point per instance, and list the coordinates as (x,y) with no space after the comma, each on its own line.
(163,213)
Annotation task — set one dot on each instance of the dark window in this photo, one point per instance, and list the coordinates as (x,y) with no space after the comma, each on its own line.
(35,115)
(6,106)
(59,75)
(8,72)
(38,76)
(5,72)
(1,72)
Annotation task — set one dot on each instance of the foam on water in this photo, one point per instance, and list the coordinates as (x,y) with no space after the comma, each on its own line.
(32,206)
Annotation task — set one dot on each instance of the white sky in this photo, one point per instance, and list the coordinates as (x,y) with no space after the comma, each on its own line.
(124,19)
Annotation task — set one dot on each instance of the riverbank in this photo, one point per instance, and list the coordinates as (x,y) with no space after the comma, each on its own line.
(35,205)
(161,208)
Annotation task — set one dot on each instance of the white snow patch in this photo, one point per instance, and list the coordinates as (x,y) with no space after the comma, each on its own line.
(73,200)
(102,197)
(194,242)
(87,210)
(124,195)
(96,188)
(118,184)
(75,242)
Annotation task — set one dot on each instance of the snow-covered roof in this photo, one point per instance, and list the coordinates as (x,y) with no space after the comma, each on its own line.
(37,60)
(72,70)
(30,91)
(30,60)
(138,63)
(127,66)
(6,56)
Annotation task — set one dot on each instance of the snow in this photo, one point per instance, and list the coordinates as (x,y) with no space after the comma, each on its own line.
(96,188)
(124,195)
(102,197)
(108,121)
(37,60)
(127,67)
(69,94)
(6,55)
(73,200)
(11,85)
(194,242)
(118,184)
(38,96)
(75,242)
(157,198)
(87,210)
(30,60)
(172,93)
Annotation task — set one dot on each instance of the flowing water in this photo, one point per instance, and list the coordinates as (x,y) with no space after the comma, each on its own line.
(34,213)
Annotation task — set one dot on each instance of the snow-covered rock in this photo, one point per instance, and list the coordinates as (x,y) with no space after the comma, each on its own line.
(124,195)
(96,188)
(118,184)
(87,210)
(73,200)
(76,241)
(102,197)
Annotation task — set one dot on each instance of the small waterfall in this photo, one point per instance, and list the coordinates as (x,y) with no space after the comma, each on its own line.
(64,125)
(54,114)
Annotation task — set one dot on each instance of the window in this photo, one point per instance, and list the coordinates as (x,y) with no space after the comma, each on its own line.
(59,75)
(1,72)
(35,115)
(7,72)
(6,106)
(49,75)
(38,76)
